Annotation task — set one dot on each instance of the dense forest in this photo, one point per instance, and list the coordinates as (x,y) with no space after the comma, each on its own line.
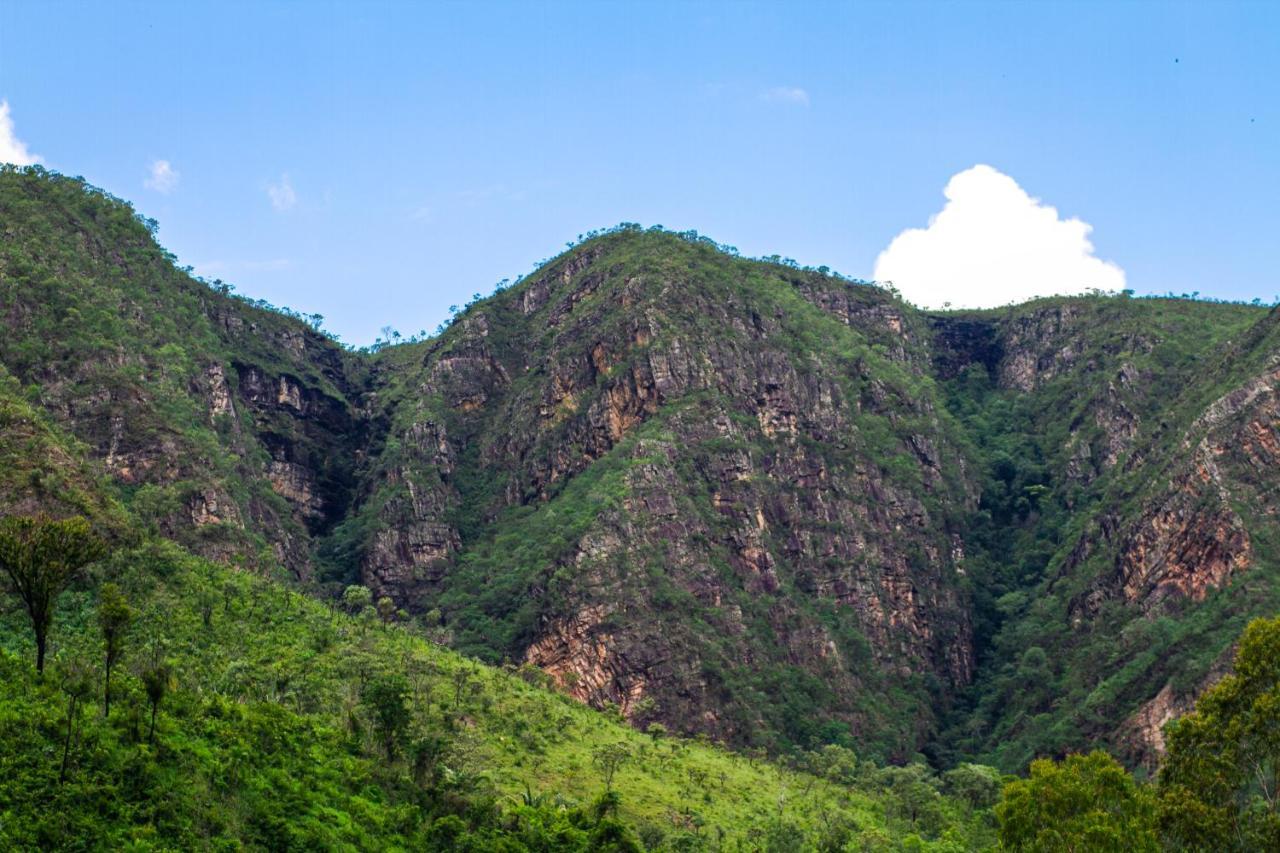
(656,547)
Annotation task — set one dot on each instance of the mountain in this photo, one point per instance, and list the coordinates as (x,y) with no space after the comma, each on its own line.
(215,445)
(765,504)
(271,729)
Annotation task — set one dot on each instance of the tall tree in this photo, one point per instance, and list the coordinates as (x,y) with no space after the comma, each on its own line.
(1085,803)
(1219,785)
(609,758)
(388,698)
(114,617)
(41,556)
(77,684)
(157,680)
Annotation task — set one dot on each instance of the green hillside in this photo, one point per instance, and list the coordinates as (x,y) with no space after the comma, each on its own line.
(268,731)
(1080,467)
(656,546)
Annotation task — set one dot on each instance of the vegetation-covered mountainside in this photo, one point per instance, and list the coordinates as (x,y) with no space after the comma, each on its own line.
(247,715)
(765,504)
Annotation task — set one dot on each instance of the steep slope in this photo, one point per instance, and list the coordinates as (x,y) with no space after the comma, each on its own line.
(1129,486)
(713,492)
(742,499)
(270,729)
(229,427)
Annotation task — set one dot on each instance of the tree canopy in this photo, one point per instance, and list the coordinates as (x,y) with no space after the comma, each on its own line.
(1218,785)
(1085,802)
(41,556)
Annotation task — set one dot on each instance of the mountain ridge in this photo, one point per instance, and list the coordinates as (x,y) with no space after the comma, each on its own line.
(737,497)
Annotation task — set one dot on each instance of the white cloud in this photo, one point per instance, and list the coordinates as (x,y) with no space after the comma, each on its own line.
(992,244)
(786,95)
(164,178)
(281,194)
(12,149)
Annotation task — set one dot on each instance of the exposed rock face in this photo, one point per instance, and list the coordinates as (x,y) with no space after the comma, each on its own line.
(1043,344)
(736,497)
(400,560)
(1141,737)
(1039,347)
(208,507)
(583,657)
(1191,539)
(297,485)
(219,392)
(749,490)
(1145,729)
(1182,551)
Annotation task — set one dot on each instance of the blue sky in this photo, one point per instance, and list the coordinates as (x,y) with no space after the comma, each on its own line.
(376,163)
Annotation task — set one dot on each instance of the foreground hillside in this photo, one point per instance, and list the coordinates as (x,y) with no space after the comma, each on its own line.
(735,498)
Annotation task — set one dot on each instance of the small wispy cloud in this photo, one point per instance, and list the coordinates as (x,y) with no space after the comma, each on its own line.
(163,178)
(431,208)
(215,268)
(491,193)
(271,265)
(211,269)
(12,149)
(786,95)
(281,194)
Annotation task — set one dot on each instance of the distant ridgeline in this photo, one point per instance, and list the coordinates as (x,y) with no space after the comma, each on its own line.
(711,497)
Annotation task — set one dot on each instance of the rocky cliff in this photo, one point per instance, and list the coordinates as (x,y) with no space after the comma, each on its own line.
(740,498)
(743,505)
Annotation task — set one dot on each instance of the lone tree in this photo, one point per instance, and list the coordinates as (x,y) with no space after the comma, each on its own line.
(386,609)
(356,599)
(77,684)
(158,680)
(41,556)
(608,759)
(114,617)
(388,698)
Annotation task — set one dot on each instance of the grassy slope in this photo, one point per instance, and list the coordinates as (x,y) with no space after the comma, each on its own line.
(256,744)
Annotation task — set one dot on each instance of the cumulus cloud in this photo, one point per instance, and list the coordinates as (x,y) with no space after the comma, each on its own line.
(12,149)
(786,95)
(164,178)
(992,244)
(281,194)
